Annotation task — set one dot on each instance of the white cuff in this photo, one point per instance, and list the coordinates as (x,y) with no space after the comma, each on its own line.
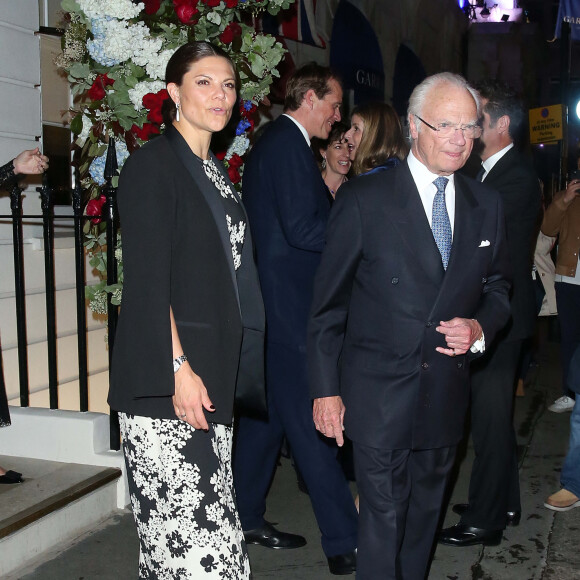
(479,344)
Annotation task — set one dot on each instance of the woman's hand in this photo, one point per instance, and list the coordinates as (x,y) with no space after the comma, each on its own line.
(572,191)
(30,162)
(191,398)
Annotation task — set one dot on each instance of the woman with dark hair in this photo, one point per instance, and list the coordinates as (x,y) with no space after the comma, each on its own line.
(333,157)
(375,138)
(29,162)
(190,329)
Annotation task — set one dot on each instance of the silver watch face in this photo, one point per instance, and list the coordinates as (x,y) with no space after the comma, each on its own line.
(176,365)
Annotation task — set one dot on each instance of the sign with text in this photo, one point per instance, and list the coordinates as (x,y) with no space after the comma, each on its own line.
(546,124)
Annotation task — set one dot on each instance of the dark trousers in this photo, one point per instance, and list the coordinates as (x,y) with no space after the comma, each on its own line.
(401,492)
(494,487)
(258,444)
(568,301)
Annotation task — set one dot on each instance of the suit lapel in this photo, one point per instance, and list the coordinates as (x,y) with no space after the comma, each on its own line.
(184,153)
(413,227)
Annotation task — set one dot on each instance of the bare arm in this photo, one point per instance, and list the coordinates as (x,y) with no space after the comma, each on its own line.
(191,396)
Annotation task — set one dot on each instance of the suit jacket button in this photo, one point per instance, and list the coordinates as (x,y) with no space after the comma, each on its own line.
(394,280)
(459,365)
(428,324)
(425,365)
(483,280)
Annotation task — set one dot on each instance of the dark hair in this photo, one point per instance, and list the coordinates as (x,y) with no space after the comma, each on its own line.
(382,137)
(180,63)
(310,76)
(336,134)
(503,100)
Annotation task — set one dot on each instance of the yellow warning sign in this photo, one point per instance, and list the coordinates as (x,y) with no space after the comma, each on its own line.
(546,124)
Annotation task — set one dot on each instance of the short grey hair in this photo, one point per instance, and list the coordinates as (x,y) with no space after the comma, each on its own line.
(419,95)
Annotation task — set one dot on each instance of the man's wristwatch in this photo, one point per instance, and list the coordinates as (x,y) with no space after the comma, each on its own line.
(177,362)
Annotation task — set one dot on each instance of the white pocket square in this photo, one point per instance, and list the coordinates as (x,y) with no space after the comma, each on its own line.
(484,244)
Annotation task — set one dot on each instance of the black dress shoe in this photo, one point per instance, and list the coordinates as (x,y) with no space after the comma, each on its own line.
(269,537)
(343,563)
(512,518)
(461,535)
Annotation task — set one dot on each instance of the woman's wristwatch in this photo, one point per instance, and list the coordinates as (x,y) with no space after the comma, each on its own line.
(177,362)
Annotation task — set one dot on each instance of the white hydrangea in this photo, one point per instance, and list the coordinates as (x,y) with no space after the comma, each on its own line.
(121,9)
(137,93)
(158,63)
(239,145)
(84,134)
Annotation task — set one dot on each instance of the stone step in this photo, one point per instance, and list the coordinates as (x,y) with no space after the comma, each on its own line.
(56,502)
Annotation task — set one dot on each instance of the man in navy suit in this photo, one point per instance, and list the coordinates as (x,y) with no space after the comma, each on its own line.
(494,488)
(413,283)
(288,208)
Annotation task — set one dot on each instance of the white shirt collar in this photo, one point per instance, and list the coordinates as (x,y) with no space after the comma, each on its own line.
(302,129)
(424,179)
(491,161)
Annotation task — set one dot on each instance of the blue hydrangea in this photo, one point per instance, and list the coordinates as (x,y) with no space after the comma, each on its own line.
(242,126)
(97,168)
(248,105)
(96,47)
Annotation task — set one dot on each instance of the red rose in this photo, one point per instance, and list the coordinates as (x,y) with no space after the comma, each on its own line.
(154,102)
(185,10)
(232,30)
(95,208)
(211,3)
(97,91)
(235,161)
(247,113)
(221,155)
(231,3)
(152,6)
(146,132)
(234,174)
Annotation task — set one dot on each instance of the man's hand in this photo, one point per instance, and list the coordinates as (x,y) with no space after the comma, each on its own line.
(328,414)
(460,334)
(572,191)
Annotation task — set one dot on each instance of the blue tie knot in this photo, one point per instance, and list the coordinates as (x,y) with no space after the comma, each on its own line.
(441,184)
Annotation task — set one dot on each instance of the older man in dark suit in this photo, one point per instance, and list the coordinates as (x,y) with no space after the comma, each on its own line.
(494,489)
(413,284)
(288,207)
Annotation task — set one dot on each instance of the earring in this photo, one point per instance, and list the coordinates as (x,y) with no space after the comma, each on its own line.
(177,112)
(324,163)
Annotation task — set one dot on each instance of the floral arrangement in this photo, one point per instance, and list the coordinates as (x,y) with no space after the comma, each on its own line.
(115,53)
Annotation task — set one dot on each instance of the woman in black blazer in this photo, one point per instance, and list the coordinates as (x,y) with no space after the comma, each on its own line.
(190,329)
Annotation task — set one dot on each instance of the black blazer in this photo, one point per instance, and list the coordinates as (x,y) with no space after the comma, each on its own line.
(517,184)
(286,199)
(379,294)
(176,252)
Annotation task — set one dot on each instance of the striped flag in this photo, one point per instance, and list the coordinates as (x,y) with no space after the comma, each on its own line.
(296,23)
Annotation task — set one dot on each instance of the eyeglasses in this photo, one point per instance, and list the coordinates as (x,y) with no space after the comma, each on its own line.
(444,130)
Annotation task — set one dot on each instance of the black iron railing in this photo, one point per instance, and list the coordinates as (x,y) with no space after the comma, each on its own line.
(110,217)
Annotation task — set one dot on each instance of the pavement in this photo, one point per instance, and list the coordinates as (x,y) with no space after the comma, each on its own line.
(543,547)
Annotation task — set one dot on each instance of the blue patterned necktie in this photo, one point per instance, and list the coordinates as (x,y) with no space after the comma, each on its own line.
(440,223)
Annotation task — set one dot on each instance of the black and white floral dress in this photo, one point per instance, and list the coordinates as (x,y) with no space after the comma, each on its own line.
(180,479)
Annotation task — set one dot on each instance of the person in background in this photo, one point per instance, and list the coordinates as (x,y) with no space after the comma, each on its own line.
(333,157)
(562,218)
(494,487)
(29,162)
(190,329)
(375,139)
(288,207)
(569,496)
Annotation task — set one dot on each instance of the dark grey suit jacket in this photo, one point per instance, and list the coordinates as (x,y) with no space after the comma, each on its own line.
(379,294)
(515,180)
